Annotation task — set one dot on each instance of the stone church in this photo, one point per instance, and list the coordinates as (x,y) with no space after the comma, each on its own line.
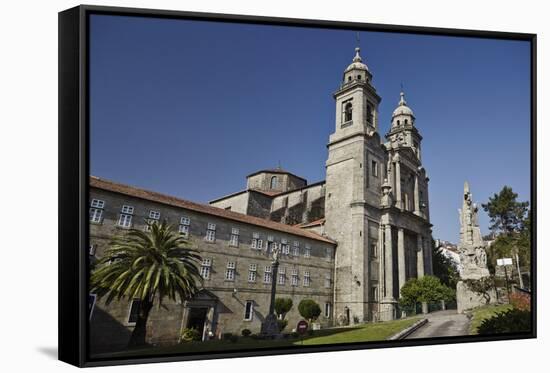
(349,242)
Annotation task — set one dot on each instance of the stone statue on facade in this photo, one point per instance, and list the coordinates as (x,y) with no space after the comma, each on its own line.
(473,257)
(387,199)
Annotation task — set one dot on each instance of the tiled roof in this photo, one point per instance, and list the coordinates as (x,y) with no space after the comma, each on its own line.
(111,186)
(275,171)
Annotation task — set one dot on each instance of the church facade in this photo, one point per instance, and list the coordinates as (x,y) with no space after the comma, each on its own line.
(349,242)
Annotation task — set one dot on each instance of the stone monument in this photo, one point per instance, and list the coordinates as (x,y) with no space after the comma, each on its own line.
(270,326)
(473,258)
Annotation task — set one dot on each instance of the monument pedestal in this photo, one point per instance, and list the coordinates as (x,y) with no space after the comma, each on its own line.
(270,326)
(467,299)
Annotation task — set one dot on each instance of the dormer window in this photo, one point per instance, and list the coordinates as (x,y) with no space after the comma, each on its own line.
(348,112)
(274,182)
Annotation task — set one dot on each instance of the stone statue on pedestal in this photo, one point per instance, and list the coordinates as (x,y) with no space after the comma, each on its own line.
(473,258)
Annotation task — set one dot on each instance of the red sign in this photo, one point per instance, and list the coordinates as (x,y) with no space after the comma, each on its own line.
(301,327)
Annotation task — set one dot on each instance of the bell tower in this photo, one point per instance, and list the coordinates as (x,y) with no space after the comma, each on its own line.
(354,175)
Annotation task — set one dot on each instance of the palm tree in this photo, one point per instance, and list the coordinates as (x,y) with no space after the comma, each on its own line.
(151,265)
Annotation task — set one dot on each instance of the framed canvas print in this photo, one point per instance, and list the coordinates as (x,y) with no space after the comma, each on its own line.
(235,186)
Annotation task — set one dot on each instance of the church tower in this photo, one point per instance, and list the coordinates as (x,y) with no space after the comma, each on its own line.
(354,176)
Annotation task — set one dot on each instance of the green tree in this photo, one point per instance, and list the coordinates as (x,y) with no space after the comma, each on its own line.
(309,309)
(511,224)
(282,307)
(506,213)
(444,268)
(148,266)
(427,289)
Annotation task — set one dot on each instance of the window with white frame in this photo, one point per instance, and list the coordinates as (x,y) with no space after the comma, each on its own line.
(133,312)
(234,239)
(185,222)
(294,278)
(206,267)
(267,275)
(230,271)
(96,210)
(281,275)
(210,232)
(252,272)
(125,218)
(327,310)
(307,278)
(328,280)
(285,247)
(296,248)
(248,310)
(272,246)
(307,251)
(154,216)
(257,243)
(91,250)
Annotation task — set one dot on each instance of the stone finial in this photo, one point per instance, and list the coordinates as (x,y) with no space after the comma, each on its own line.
(357,57)
(402,101)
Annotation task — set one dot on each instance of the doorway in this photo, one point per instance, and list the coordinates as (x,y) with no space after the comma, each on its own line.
(197,319)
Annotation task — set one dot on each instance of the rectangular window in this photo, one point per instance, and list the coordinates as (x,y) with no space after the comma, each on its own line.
(271,247)
(252,273)
(307,251)
(267,275)
(210,233)
(282,276)
(285,247)
(294,278)
(307,278)
(125,221)
(256,242)
(230,271)
(327,280)
(206,266)
(296,248)
(185,222)
(154,217)
(134,311)
(370,112)
(97,203)
(248,310)
(91,250)
(374,168)
(127,210)
(234,238)
(96,210)
(327,310)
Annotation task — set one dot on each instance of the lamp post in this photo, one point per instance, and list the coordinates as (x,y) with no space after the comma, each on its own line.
(270,326)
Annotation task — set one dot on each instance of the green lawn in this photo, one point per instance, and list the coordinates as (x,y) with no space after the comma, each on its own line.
(361,333)
(485,312)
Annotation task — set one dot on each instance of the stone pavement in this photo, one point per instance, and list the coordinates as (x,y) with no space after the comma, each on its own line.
(443,324)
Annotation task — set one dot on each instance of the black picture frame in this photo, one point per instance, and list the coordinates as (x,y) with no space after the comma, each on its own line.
(74,173)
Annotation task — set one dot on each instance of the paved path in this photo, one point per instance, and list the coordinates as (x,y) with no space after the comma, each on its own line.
(443,324)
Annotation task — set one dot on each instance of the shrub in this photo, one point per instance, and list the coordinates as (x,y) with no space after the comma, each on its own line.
(511,321)
(282,324)
(246,332)
(233,338)
(189,335)
(521,301)
(309,309)
(283,306)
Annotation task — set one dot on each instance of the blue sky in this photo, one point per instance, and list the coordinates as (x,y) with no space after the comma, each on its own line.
(190,108)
